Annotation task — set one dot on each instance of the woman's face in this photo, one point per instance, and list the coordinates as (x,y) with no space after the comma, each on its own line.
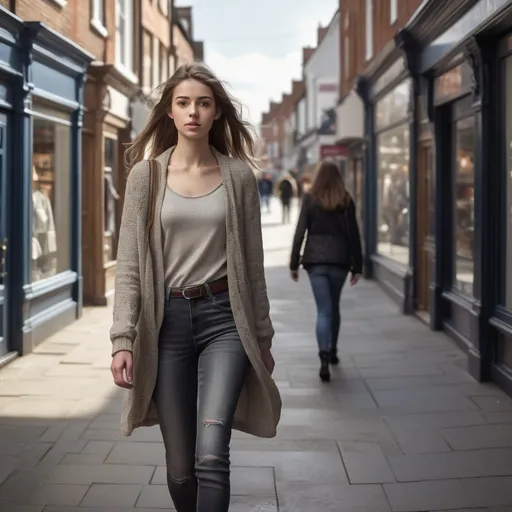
(193,109)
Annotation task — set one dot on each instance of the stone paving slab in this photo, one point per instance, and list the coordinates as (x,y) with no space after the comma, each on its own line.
(402,427)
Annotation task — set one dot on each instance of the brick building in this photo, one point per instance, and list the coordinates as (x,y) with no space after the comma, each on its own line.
(72,75)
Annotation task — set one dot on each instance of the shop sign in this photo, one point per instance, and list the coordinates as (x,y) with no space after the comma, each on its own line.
(334,151)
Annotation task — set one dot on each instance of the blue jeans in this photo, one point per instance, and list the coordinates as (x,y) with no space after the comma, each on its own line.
(202,367)
(327,282)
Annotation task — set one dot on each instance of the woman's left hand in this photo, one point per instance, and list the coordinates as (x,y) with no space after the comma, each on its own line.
(268,360)
(294,274)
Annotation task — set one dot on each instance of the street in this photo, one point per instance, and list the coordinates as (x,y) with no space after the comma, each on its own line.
(401,427)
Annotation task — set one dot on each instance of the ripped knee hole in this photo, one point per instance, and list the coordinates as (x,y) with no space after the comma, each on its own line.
(209,423)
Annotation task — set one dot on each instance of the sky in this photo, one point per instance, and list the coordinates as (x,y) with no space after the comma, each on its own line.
(256,46)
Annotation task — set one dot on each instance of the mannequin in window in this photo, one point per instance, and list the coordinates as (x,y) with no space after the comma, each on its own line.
(44,239)
(110,198)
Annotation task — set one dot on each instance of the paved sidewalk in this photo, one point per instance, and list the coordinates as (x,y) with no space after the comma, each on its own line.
(401,427)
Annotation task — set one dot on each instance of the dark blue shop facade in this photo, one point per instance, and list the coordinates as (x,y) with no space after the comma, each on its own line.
(41,111)
(438,176)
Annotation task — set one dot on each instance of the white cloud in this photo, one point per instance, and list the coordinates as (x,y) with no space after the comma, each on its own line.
(255,79)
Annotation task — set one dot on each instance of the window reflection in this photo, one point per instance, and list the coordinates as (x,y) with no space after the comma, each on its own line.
(51,190)
(508,155)
(393,194)
(394,106)
(464,205)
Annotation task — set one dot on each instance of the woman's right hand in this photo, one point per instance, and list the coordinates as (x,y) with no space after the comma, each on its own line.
(354,279)
(122,369)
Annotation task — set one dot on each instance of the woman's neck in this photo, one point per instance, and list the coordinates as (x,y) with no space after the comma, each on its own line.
(192,153)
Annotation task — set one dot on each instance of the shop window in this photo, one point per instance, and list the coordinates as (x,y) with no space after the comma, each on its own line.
(51,205)
(508,167)
(111,196)
(464,208)
(393,194)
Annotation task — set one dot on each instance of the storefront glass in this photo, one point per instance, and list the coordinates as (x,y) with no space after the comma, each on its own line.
(508,168)
(393,194)
(51,191)
(111,196)
(464,207)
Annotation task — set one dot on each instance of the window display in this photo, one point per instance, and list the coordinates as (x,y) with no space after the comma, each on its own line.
(393,194)
(51,188)
(464,214)
(109,201)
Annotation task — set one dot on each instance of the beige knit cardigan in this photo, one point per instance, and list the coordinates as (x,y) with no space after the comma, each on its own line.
(139,295)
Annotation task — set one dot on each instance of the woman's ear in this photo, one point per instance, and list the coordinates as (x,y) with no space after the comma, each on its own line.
(170,115)
(218,114)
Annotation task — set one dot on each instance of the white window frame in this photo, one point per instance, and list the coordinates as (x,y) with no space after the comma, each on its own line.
(155,51)
(393,11)
(98,17)
(163,5)
(369,29)
(124,53)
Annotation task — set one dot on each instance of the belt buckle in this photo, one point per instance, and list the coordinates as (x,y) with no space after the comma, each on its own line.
(188,297)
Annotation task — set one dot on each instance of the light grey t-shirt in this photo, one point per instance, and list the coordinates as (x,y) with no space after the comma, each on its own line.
(194,235)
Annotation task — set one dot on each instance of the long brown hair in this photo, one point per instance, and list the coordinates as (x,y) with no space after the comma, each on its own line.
(329,188)
(230,134)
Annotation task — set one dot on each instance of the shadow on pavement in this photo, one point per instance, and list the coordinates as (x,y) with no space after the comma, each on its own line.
(401,427)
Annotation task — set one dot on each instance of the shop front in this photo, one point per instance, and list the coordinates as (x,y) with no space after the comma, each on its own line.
(41,110)
(387,92)
(463,198)
(350,135)
(107,129)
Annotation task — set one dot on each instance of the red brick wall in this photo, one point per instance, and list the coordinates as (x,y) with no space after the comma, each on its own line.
(383,32)
(72,21)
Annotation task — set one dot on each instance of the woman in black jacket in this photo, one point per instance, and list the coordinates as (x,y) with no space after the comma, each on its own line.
(332,251)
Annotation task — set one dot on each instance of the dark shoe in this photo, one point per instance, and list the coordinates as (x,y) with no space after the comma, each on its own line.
(325,374)
(334,358)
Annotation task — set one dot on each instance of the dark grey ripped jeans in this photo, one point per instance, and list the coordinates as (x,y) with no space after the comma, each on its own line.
(201,371)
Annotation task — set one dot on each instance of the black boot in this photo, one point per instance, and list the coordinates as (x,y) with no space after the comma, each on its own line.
(325,374)
(334,357)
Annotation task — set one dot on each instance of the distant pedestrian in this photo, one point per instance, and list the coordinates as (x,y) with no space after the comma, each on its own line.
(192,332)
(286,190)
(265,187)
(332,251)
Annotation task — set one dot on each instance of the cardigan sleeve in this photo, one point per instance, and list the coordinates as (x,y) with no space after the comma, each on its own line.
(300,232)
(253,249)
(127,298)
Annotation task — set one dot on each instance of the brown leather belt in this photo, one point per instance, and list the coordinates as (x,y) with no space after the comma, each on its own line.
(200,290)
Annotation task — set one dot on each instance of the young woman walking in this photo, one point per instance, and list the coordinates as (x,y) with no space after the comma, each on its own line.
(332,251)
(191,333)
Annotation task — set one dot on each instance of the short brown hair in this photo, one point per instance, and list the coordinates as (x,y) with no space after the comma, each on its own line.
(329,188)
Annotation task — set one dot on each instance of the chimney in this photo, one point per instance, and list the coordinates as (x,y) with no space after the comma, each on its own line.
(306,54)
(184,16)
(321,33)
(198,50)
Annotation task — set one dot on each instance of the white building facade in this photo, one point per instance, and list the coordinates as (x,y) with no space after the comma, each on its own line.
(322,78)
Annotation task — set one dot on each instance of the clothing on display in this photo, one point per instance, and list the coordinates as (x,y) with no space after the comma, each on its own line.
(44,237)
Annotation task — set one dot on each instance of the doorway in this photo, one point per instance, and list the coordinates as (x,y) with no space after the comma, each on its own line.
(425,238)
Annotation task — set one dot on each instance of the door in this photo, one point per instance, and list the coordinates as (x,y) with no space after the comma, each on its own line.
(4,243)
(425,240)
